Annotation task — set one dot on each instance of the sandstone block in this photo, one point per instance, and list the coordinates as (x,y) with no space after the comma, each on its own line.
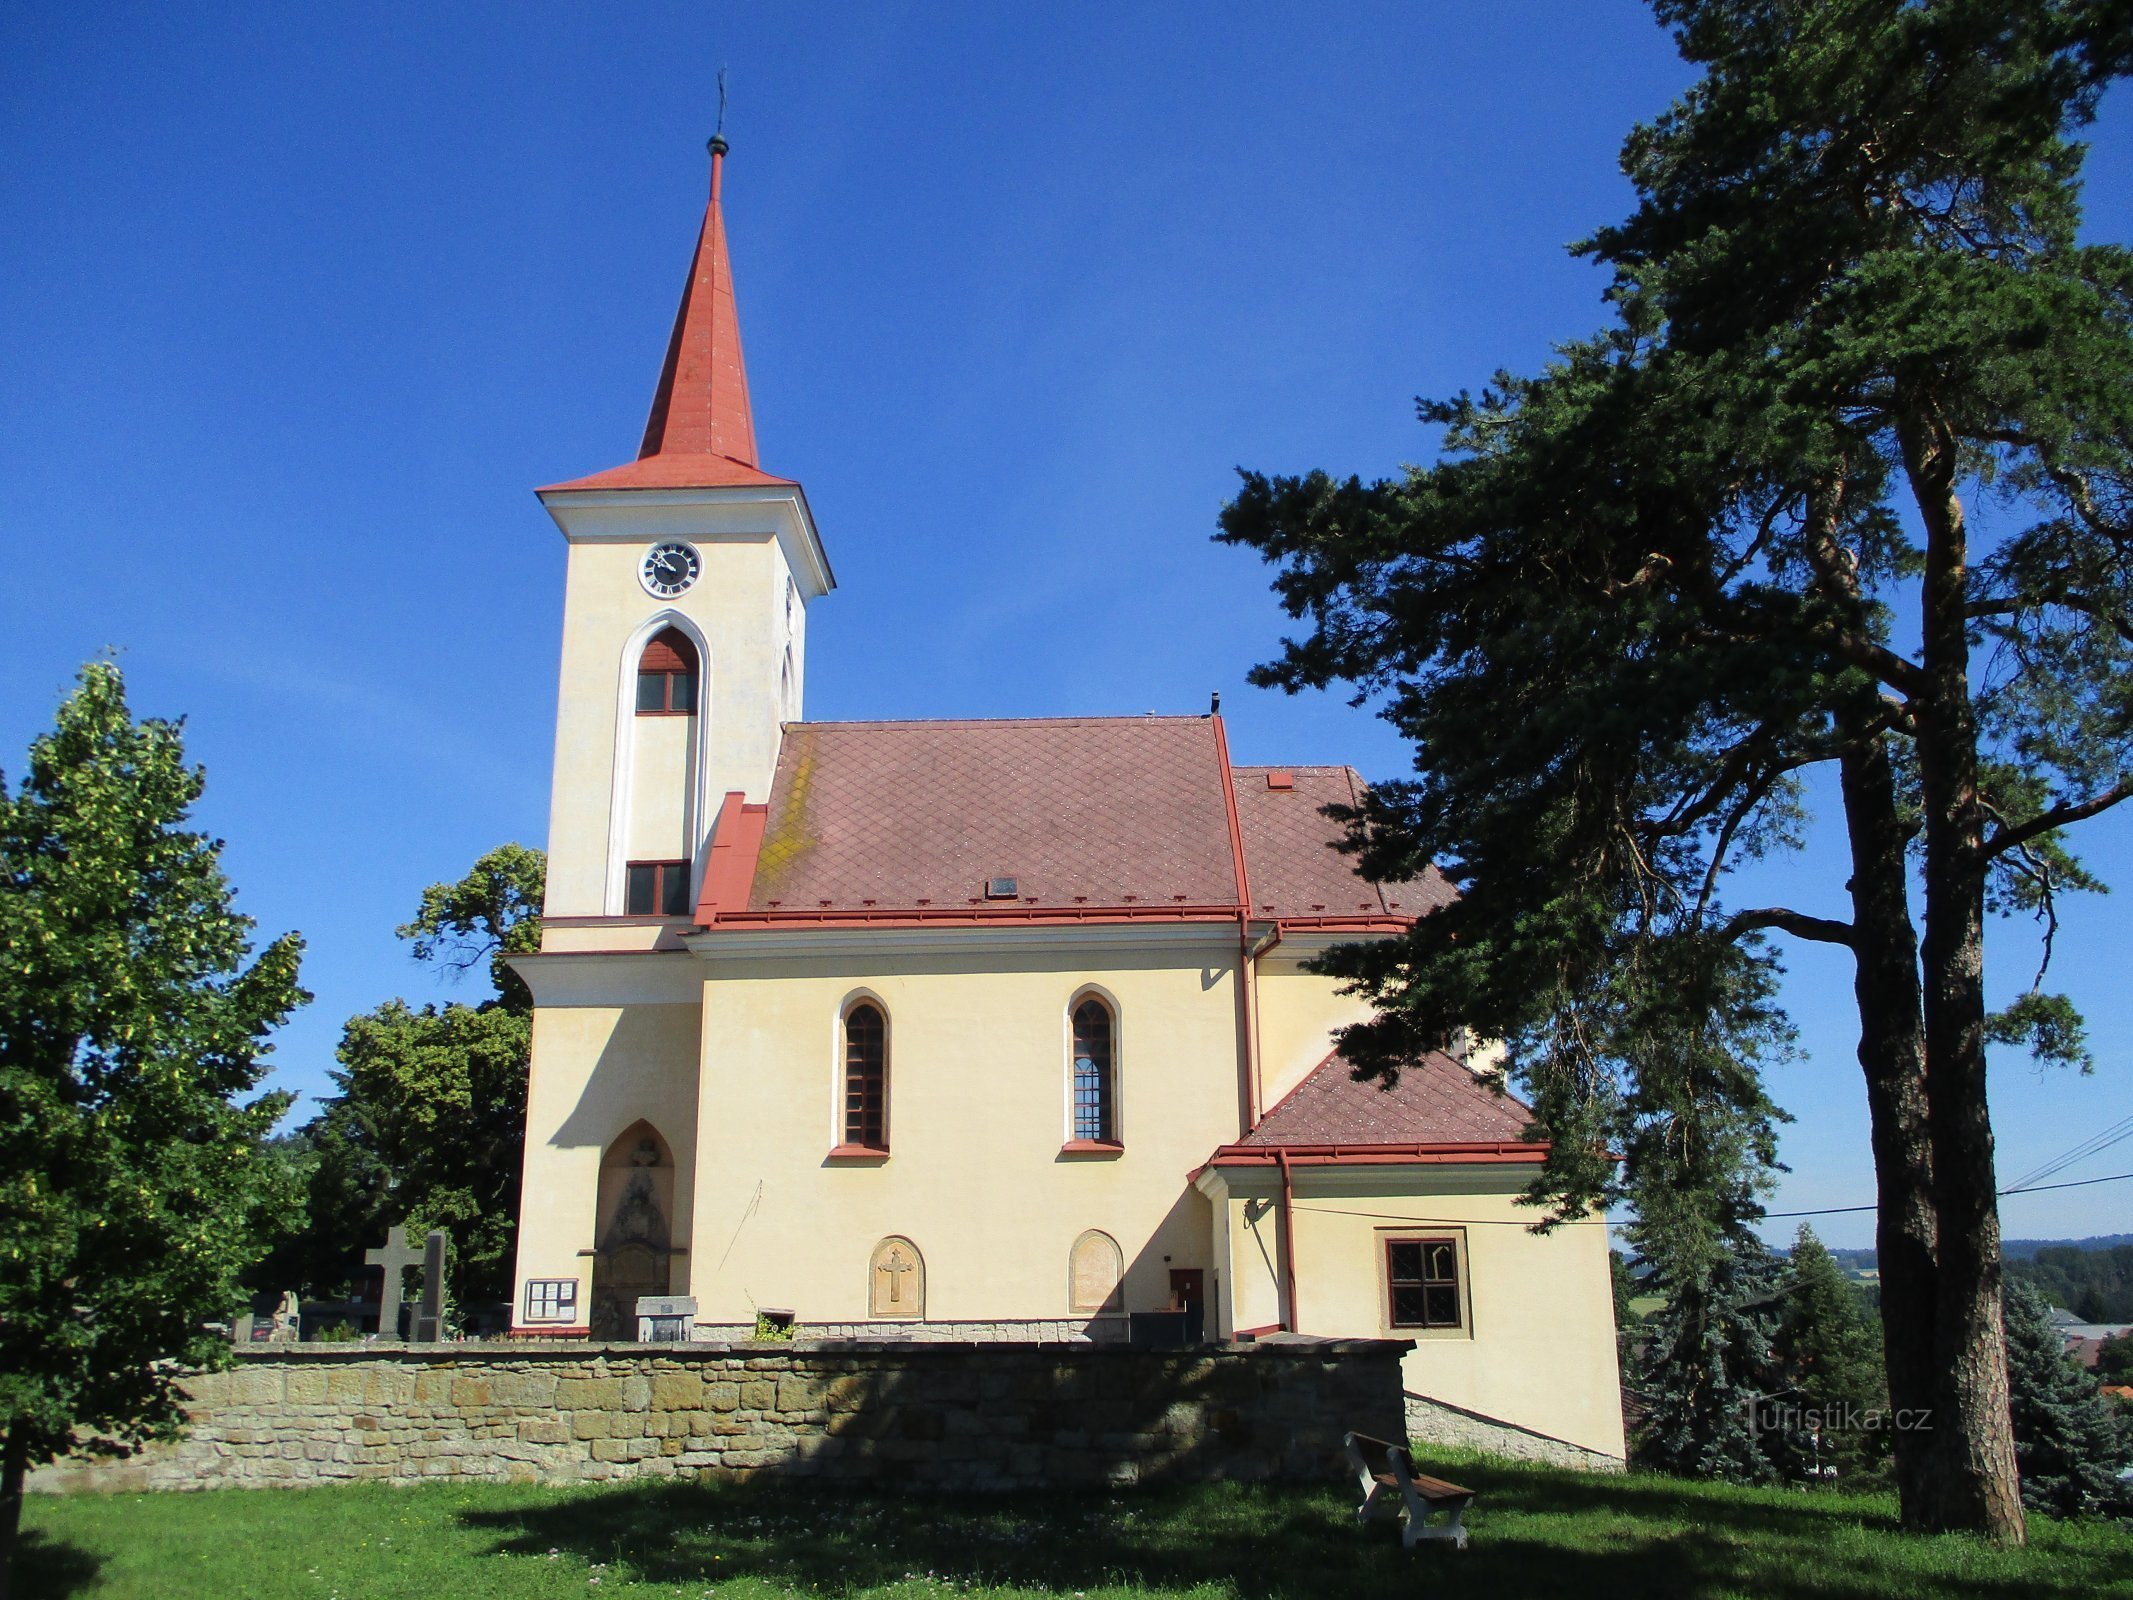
(677,1391)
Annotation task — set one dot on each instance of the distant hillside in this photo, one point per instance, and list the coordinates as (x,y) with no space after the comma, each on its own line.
(1860,1263)
(2023,1249)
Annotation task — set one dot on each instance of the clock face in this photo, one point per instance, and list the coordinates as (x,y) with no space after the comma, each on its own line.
(668,569)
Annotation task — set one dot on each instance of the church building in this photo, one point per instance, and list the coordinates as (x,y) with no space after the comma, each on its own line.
(985,1029)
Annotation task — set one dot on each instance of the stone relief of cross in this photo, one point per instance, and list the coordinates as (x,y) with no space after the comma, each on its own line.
(896,1266)
(397,1256)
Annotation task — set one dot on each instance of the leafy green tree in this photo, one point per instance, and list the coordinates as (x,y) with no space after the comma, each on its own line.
(133,1015)
(2114,1362)
(1726,541)
(429,1124)
(1831,1354)
(2070,1444)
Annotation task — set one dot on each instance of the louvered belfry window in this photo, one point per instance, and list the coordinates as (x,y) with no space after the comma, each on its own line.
(1093,1118)
(866,1077)
(666,676)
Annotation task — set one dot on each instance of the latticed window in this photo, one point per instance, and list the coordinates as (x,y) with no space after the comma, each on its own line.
(1093,1096)
(866,1077)
(666,676)
(1422,1279)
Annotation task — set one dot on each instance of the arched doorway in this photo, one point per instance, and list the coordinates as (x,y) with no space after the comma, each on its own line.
(633,1245)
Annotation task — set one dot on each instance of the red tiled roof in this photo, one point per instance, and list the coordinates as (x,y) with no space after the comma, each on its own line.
(1116,811)
(1296,869)
(1437,1101)
(701,431)
(1112,816)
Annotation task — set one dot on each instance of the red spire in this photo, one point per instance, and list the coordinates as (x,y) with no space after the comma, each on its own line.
(701,433)
(701,406)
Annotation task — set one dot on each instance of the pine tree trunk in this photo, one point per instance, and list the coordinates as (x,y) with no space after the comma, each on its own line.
(1892,1052)
(1975,1485)
(14,1471)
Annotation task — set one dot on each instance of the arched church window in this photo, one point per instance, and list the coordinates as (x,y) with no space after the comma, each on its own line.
(1094,1268)
(1095,1081)
(896,1281)
(666,676)
(866,1077)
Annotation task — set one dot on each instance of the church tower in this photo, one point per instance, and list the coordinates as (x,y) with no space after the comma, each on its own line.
(690,571)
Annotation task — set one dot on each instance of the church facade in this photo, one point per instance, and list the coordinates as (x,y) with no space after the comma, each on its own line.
(971,1029)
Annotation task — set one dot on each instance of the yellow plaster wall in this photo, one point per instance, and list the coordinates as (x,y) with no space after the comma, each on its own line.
(1539,1349)
(978,1111)
(660,783)
(596,1070)
(1298,1013)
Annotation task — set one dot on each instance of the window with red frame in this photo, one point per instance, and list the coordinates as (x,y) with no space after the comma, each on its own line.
(658,889)
(666,676)
(866,1077)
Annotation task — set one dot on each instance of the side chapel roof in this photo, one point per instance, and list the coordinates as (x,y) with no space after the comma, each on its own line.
(1436,1101)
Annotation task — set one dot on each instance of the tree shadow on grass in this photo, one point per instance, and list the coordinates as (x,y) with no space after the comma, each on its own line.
(1264,1543)
(52,1569)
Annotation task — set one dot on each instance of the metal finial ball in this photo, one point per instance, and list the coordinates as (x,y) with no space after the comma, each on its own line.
(717,145)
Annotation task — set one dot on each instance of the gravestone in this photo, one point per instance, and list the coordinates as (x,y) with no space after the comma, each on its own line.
(429,1321)
(397,1256)
(287,1325)
(666,1318)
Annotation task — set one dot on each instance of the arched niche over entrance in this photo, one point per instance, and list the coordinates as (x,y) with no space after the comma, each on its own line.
(633,1243)
(896,1281)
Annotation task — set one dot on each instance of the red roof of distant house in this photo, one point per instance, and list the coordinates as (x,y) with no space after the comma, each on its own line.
(701,431)
(1092,818)
(1436,1101)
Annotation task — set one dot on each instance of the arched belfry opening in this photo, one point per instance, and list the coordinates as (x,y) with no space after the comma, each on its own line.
(633,1243)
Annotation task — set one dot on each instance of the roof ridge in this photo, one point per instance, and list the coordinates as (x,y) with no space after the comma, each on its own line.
(1006,722)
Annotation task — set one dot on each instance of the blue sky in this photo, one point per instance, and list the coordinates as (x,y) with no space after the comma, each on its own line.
(299,304)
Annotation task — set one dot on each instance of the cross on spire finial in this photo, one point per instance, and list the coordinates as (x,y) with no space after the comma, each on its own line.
(718,146)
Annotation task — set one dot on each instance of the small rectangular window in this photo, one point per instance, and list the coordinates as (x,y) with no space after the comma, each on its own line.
(651,691)
(657,889)
(1422,1283)
(681,691)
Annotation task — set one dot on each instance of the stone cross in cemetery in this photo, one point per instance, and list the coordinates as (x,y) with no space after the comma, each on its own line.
(429,1321)
(397,1256)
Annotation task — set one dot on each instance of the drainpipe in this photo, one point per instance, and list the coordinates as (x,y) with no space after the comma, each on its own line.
(1248,964)
(1288,1244)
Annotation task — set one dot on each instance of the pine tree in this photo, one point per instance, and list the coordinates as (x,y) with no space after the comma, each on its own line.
(133,1185)
(2068,1443)
(1725,541)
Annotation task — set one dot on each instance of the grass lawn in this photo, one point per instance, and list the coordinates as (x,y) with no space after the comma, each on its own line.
(1536,1531)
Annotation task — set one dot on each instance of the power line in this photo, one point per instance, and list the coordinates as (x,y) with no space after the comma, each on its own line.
(2029,1188)
(2094,1144)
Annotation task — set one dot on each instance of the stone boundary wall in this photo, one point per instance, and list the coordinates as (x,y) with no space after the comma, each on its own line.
(911,1414)
(1441,1423)
(1027,1330)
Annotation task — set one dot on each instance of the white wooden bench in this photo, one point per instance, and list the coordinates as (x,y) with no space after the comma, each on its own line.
(1392,1488)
